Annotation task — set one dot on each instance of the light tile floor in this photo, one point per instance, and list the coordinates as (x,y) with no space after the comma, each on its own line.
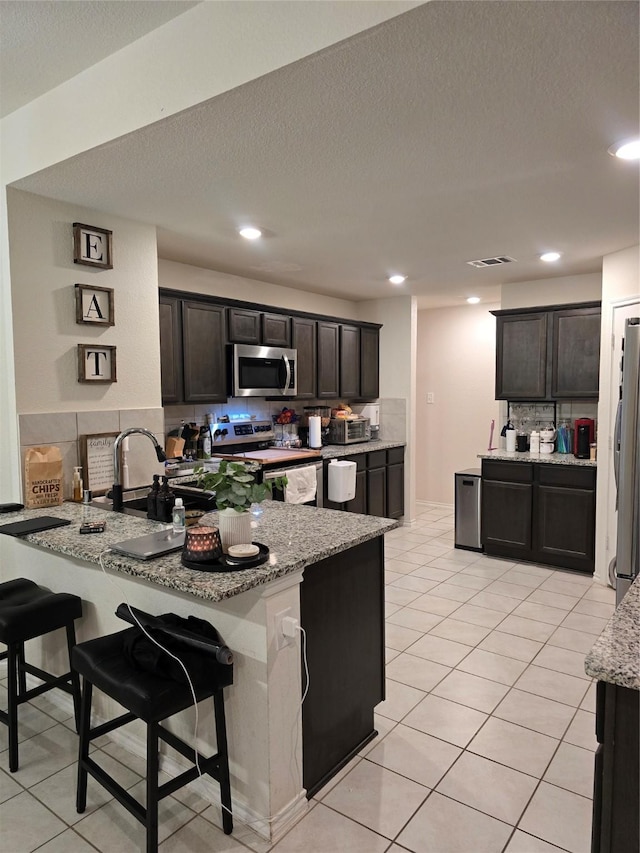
(485,744)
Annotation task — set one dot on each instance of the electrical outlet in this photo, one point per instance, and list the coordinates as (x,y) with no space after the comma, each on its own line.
(282,639)
(430,397)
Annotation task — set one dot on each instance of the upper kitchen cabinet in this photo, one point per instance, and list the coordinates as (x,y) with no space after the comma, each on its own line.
(192,351)
(328,360)
(349,362)
(247,326)
(549,354)
(575,353)
(303,340)
(171,349)
(204,363)
(369,363)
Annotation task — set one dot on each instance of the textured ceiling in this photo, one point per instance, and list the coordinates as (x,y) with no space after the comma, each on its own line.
(455,131)
(63,37)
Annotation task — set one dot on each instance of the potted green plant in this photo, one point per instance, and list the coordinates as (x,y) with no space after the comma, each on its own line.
(235,487)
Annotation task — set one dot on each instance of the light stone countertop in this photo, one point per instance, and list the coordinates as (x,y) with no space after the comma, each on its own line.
(546,458)
(297,536)
(339,451)
(616,655)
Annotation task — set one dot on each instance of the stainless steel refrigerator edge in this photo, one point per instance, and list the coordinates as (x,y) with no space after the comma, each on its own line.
(626,460)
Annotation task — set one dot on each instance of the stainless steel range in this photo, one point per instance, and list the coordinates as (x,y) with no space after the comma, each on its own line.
(254,440)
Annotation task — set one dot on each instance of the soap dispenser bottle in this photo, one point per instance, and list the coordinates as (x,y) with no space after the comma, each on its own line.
(165,501)
(152,497)
(77,484)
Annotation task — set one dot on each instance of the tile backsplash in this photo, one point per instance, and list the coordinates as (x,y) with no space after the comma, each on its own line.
(65,429)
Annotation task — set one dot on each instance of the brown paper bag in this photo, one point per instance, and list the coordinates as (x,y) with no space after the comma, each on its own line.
(42,477)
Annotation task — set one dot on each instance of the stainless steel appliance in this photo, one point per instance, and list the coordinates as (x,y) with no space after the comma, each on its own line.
(276,495)
(263,371)
(467,509)
(626,460)
(343,431)
(371,411)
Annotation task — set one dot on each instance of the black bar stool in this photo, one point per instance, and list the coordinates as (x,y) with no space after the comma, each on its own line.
(128,668)
(27,611)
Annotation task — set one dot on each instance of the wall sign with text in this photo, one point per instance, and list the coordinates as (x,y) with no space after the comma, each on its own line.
(96,457)
(94,305)
(96,363)
(92,246)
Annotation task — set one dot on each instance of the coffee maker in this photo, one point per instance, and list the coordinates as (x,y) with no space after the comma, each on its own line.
(583,437)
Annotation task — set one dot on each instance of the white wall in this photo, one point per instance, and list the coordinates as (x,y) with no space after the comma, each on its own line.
(198,280)
(456,363)
(552,291)
(45,331)
(620,287)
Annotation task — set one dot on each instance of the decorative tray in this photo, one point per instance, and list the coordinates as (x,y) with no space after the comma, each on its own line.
(229,564)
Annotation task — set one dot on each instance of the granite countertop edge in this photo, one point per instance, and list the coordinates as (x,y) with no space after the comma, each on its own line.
(615,657)
(317,534)
(544,458)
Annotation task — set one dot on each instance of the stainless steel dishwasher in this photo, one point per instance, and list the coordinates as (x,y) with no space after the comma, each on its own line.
(468,486)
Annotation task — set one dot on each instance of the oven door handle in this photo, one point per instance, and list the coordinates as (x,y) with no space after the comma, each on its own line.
(287,376)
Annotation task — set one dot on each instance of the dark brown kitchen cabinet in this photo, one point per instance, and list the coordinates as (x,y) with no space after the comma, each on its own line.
(349,362)
(575,353)
(244,326)
(171,350)
(328,360)
(564,516)
(303,340)
(276,330)
(616,789)
(369,363)
(379,484)
(541,513)
(395,482)
(551,353)
(507,502)
(203,336)
(521,357)
(342,611)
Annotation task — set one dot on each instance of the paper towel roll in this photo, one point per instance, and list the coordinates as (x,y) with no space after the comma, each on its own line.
(315,438)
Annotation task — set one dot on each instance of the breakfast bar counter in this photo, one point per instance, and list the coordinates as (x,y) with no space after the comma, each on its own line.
(325,570)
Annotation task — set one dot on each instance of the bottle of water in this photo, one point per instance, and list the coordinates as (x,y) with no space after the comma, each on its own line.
(178,517)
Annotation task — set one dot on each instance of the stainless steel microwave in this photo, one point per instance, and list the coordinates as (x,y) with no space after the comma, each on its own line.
(263,371)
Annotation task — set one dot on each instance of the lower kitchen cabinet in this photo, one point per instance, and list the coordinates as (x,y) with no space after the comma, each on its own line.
(379,484)
(543,513)
(616,789)
(342,611)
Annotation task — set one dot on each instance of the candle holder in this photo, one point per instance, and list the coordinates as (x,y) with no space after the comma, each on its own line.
(202,544)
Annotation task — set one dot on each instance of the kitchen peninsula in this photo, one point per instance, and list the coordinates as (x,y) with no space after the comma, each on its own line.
(325,569)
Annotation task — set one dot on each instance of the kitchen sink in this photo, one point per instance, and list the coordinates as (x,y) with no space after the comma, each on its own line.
(135,500)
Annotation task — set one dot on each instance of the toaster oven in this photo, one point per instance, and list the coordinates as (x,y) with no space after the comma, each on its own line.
(343,431)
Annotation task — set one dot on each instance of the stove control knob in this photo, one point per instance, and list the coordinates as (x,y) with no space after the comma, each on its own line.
(225,432)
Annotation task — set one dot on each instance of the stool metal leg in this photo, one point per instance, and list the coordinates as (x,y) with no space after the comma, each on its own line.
(75,678)
(12,704)
(83,750)
(152,787)
(221,741)
(22,677)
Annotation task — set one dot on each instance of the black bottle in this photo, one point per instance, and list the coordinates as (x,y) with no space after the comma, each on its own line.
(152,497)
(165,502)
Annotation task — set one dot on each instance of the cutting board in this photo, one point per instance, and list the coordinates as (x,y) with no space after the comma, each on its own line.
(277,455)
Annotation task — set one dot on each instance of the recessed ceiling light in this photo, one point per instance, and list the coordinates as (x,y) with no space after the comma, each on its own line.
(473,300)
(397,279)
(250,233)
(628,150)
(550,257)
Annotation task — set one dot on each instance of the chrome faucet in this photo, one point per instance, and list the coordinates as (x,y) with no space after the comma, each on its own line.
(117,485)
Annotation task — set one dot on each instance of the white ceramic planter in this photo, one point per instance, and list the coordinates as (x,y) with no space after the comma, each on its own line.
(235,528)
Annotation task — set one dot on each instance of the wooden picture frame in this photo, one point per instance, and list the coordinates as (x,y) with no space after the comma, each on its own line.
(92,246)
(96,458)
(96,363)
(94,305)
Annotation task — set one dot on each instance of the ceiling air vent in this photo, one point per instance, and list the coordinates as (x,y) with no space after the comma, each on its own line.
(492,262)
